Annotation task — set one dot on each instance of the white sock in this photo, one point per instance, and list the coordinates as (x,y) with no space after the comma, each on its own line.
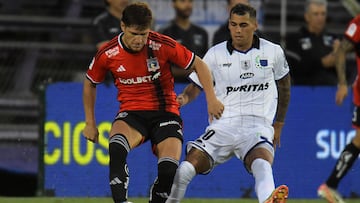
(264,180)
(184,174)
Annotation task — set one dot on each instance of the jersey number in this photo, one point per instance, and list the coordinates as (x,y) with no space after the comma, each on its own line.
(208,134)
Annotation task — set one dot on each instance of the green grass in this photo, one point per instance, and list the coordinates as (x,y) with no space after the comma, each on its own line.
(144,200)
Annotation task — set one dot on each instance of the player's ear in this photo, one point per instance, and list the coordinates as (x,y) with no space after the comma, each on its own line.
(122,25)
(254,23)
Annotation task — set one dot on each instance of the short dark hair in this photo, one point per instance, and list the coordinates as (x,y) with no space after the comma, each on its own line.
(137,14)
(242,9)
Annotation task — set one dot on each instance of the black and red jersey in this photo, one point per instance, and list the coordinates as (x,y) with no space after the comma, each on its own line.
(352,33)
(143,79)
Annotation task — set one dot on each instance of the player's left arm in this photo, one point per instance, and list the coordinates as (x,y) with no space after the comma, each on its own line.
(342,90)
(283,87)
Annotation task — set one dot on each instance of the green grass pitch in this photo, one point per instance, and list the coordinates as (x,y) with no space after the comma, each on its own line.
(145,200)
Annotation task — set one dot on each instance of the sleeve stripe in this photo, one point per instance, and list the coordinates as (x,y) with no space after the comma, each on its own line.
(191,61)
(91,80)
(162,39)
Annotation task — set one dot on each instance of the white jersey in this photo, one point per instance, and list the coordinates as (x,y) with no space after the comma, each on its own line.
(245,81)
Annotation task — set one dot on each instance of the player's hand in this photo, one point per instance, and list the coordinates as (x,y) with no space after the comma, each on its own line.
(215,109)
(182,99)
(341,93)
(91,133)
(336,45)
(277,133)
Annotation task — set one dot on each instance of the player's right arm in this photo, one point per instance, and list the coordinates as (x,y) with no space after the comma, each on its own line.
(215,107)
(342,91)
(95,75)
(190,92)
(89,96)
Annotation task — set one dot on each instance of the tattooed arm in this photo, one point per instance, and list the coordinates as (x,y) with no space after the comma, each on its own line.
(345,47)
(283,86)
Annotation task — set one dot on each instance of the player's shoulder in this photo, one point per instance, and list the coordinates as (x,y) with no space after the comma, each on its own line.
(271,48)
(219,49)
(110,48)
(264,43)
(162,39)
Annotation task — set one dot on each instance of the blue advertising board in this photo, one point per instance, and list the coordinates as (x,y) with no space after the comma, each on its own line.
(315,133)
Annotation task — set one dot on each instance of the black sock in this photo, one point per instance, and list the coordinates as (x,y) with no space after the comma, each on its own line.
(343,164)
(119,172)
(162,185)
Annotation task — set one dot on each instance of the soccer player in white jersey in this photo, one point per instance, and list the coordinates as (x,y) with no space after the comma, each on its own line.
(252,80)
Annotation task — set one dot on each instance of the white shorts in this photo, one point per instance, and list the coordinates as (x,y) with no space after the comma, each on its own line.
(221,142)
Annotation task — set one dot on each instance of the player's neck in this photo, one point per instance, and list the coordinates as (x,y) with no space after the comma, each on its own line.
(315,30)
(184,23)
(242,46)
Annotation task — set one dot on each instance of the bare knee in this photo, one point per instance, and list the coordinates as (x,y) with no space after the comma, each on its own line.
(257,153)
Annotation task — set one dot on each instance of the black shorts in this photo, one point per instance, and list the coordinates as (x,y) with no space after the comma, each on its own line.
(155,126)
(356,117)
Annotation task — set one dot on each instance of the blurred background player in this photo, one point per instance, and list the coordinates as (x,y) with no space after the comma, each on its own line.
(107,24)
(187,33)
(311,49)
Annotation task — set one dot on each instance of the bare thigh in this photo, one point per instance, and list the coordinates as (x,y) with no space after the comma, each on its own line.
(132,135)
(199,159)
(170,147)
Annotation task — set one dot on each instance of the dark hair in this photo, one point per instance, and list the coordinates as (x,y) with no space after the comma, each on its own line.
(242,9)
(137,14)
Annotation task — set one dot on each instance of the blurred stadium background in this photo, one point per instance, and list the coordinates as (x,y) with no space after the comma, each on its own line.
(46,41)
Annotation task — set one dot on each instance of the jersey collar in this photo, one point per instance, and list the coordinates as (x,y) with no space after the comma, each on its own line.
(255,44)
(122,44)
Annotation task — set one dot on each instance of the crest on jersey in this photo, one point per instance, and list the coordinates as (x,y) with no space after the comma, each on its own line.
(261,62)
(245,64)
(152,64)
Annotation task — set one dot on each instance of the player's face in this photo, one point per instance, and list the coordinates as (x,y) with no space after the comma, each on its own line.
(316,17)
(242,29)
(134,38)
(183,8)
